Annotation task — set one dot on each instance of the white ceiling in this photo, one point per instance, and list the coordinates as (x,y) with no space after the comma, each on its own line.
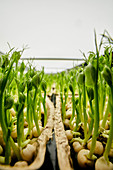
(54,28)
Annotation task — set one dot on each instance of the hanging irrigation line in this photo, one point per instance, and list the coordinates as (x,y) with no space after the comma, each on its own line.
(44,58)
(55,59)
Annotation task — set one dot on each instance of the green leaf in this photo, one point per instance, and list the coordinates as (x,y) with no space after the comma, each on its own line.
(71,87)
(44,85)
(21,87)
(107,74)
(90,93)
(90,75)
(36,80)
(8,103)
(81,78)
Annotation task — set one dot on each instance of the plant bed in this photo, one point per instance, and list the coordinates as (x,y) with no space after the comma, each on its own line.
(71,135)
(63,149)
(88,117)
(40,143)
(24,127)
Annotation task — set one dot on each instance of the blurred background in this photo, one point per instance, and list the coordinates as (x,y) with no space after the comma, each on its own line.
(54,29)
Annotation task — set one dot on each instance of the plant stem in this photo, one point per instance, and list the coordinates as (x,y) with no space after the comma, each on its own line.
(39,104)
(8,149)
(20,125)
(66,96)
(62,103)
(34,112)
(2,118)
(45,110)
(91,123)
(15,149)
(96,114)
(84,111)
(28,112)
(77,119)
(7,75)
(73,106)
(109,141)
(102,97)
(96,122)
(80,107)
(106,113)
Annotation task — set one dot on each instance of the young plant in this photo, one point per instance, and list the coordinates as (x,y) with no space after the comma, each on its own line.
(61,77)
(73,102)
(44,88)
(29,115)
(36,80)
(21,69)
(108,76)
(91,74)
(90,94)
(3,82)
(81,81)
(3,117)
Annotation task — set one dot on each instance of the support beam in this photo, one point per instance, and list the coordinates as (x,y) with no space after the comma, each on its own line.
(63,59)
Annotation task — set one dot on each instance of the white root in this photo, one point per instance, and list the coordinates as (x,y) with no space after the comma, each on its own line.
(67,106)
(77,146)
(35,133)
(42,109)
(72,126)
(15,98)
(66,123)
(102,164)
(2,143)
(106,125)
(26,133)
(13,155)
(83,161)
(25,110)
(12,111)
(21,164)
(28,152)
(14,132)
(69,134)
(99,149)
(39,122)
(25,124)
(74,120)
(111,153)
(68,114)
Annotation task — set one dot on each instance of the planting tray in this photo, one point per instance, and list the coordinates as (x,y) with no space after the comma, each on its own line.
(63,148)
(51,161)
(42,142)
(67,158)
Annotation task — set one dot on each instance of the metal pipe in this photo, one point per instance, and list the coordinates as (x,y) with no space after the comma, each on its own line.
(71,59)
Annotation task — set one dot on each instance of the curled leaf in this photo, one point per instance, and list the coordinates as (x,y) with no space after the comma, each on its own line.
(90,75)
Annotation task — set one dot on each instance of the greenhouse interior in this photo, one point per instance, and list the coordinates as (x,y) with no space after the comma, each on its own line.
(56,85)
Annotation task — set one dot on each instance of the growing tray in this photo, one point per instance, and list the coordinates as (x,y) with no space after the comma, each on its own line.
(63,148)
(42,140)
